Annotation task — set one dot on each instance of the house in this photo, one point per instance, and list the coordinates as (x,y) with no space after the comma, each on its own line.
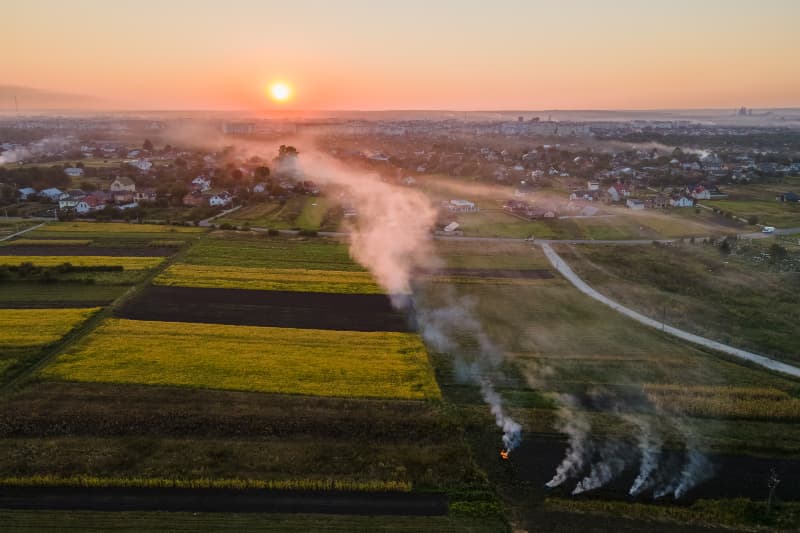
(88,204)
(461,206)
(260,188)
(592,185)
(660,202)
(617,192)
(70,199)
(635,204)
(201,183)
(73,172)
(589,211)
(145,195)
(409,181)
(788,197)
(681,200)
(26,192)
(52,194)
(701,193)
(141,164)
(122,184)
(122,197)
(308,187)
(220,200)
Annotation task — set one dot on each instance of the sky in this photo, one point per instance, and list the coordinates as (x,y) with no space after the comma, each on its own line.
(400,54)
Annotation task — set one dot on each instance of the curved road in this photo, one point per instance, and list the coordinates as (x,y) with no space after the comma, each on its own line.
(560,265)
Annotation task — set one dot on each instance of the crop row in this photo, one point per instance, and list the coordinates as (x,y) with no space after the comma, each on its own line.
(24,328)
(50,242)
(730,392)
(264,359)
(729,405)
(298,280)
(207,483)
(110,227)
(128,263)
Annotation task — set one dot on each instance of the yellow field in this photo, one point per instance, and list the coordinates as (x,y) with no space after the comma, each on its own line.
(21,329)
(111,227)
(280,360)
(300,280)
(128,263)
(49,242)
(725,402)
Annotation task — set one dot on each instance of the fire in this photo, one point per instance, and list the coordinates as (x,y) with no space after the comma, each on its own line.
(504,454)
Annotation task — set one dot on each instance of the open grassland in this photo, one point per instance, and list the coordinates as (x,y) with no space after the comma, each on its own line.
(696,288)
(489,255)
(151,522)
(127,263)
(67,228)
(232,249)
(301,280)
(316,362)
(24,333)
(758,200)
(9,227)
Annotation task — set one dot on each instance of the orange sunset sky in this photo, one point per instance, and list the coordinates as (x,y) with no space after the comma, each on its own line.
(410,54)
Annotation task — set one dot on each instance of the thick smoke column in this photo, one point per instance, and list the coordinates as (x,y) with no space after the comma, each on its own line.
(577,427)
(392,238)
(650,445)
(611,463)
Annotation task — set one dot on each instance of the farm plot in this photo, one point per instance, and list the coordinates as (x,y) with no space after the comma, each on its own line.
(315,362)
(327,281)
(289,309)
(25,332)
(127,263)
(113,234)
(31,248)
(231,249)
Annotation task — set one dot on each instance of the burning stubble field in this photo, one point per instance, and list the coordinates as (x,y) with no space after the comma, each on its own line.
(607,407)
(204,402)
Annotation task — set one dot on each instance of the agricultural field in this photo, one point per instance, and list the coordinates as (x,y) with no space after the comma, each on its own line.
(114,234)
(294,361)
(758,200)
(298,280)
(9,227)
(729,298)
(24,333)
(261,251)
(126,263)
(297,212)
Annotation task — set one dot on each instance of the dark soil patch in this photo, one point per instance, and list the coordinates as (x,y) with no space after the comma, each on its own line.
(86,251)
(308,310)
(732,476)
(220,500)
(490,273)
(56,304)
(52,409)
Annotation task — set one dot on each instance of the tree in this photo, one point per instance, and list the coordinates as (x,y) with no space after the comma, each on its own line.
(237,175)
(777,253)
(147,145)
(262,172)
(286,150)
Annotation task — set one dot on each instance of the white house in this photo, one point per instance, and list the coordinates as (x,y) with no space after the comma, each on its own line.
(593,185)
(26,192)
(51,194)
(142,164)
(73,172)
(123,184)
(681,201)
(201,182)
(701,193)
(617,192)
(462,206)
(70,199)
(633,203)
(260,187)
(219,200)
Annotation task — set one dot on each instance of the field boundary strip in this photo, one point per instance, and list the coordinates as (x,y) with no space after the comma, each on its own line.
(26,230)
(565,270)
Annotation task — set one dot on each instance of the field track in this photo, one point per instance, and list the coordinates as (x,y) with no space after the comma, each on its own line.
(244,307)
(223,500)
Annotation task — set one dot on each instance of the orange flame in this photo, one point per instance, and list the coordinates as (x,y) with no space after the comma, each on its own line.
(504,454)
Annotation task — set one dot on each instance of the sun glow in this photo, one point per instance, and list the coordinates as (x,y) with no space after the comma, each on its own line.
(280,92)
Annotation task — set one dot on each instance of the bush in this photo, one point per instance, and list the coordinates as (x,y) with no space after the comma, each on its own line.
(273,232)
(307,233)
(752,220)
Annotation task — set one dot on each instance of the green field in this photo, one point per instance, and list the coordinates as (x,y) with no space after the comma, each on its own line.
(112,233)
(758,200)
(296,361)
(297,280)
(285,214)
(259,251)
(728,298)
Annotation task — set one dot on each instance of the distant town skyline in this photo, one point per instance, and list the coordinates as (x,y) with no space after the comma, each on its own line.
(442,55)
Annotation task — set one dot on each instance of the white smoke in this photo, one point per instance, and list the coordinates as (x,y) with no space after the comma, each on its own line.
(46,146)
(650,446)
(512,430)
(577,427)
(611,462)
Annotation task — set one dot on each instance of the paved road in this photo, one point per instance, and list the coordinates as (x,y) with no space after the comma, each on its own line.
(560,265)
(26,230)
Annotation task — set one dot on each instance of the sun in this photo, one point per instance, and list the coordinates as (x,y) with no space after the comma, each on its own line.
(280,91)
